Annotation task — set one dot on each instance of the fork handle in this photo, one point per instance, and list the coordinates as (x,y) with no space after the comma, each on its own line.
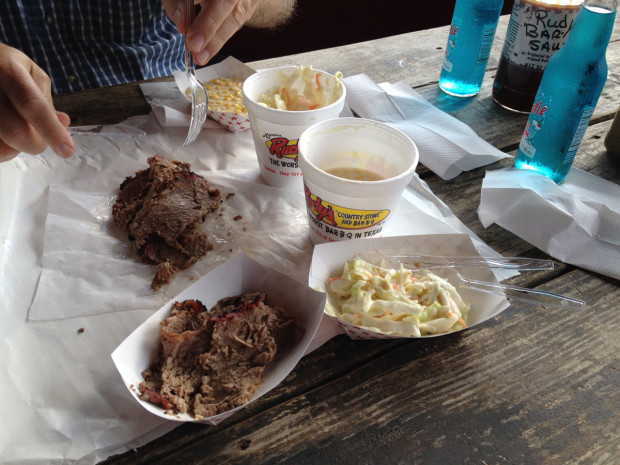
(514,263)
(438,261)
(190,13)
(523,294)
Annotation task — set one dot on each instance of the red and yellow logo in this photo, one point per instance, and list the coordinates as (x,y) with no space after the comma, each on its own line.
(341,217)
(281,147)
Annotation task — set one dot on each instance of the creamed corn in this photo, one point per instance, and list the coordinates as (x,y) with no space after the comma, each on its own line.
(225,95)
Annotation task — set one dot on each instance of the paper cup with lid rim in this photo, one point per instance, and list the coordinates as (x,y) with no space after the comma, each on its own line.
(276,132)
(339,208)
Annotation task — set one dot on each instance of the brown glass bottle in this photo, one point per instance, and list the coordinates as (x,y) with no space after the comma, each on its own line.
(537,29)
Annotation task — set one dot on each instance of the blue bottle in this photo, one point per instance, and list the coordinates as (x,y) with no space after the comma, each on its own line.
(569,90)
(469,44)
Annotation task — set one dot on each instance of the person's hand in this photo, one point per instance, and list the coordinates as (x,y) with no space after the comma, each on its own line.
(218,20)
(29,121)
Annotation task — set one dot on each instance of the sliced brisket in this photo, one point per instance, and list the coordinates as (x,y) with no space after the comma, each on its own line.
(161,208)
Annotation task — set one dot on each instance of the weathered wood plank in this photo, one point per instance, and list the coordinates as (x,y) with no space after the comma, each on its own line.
(467,397)
(109,105)
(415,58)
(312,371)
(530,386)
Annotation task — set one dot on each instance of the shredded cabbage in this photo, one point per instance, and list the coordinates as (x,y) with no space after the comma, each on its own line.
(401,302)
(303,89)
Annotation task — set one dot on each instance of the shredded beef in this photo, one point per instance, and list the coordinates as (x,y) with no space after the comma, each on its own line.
(209,362)
(161,209)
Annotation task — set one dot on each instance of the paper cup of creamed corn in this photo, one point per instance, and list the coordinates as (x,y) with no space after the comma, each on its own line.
(354,172)
(282,103)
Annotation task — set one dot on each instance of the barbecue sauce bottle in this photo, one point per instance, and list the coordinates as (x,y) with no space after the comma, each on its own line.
(570,88)
(536,30)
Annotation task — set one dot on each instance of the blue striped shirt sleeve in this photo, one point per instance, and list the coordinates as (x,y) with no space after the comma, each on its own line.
(94,43)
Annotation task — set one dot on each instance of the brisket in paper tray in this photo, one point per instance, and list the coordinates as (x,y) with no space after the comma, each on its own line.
(328,261)
(228,68)
(238,275)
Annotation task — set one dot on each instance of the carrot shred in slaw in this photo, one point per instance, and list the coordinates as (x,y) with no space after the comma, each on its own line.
(396,301)
(303,89)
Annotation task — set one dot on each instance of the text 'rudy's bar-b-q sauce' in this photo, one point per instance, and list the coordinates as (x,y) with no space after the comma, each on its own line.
(537,29)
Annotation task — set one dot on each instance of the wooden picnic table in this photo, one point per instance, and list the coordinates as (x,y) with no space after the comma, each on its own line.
(530,386)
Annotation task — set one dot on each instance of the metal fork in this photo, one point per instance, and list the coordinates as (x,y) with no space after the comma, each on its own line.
(199,94)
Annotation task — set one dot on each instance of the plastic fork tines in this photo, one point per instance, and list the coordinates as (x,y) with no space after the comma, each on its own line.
(198,92)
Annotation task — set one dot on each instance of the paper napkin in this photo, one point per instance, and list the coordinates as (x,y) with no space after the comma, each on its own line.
(447,146)
(169,105)
(79,235)
(577,222)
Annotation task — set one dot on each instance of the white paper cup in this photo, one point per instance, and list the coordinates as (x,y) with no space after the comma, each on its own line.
(338,208)
(276,132)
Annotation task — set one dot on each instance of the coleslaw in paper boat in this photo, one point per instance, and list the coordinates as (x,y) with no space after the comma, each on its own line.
(328,261)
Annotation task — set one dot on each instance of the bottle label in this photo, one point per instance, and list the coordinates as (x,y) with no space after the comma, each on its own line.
(536,31)
(488,33)
(447,63)
(532,128)
(536,121)
(584,121)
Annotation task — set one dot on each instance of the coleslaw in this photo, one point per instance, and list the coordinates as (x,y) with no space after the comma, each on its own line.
(303,89)
(400,302)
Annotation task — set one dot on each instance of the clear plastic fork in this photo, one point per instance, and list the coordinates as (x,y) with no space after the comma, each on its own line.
(439,261)
(198,92)
(523,294)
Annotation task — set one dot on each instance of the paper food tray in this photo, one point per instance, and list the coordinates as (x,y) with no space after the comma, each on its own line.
(328,261)
(238,275)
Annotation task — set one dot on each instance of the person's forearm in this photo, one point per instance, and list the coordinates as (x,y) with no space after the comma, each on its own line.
(271,13)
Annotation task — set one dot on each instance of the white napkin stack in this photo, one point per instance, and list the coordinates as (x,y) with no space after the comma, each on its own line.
(447,146)
(577,222)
